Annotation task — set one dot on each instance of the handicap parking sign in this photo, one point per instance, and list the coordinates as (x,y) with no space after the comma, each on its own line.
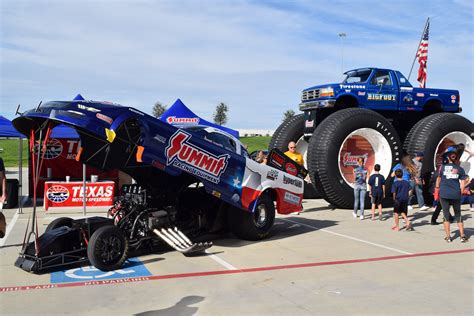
(132,268)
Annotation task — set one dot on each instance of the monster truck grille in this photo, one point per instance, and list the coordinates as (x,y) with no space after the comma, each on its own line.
(310,95)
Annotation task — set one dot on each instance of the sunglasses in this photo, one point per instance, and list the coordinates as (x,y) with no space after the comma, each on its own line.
(292,147)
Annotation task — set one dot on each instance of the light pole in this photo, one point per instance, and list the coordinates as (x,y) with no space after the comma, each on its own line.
(342,36)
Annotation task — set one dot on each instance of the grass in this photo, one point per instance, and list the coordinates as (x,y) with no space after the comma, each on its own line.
(9,150)
(256,142)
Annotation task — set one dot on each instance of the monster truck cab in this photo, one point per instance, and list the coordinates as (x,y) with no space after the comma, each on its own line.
(379,90)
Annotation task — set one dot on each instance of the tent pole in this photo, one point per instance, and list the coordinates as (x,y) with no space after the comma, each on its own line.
(20,178)
(84,189)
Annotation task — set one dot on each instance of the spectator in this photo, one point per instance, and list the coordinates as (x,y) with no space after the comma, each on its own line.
(360,187)
(400,190)
(3,197)
(377,191)
(409,171)
(293,154)
(418,181)
(468,195)
(449,185)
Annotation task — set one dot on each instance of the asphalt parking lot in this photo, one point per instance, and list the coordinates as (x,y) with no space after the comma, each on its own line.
(321,262)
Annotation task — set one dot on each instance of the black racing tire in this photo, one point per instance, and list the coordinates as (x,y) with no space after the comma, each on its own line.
(108,248)
(292,129)
(252,226)
(59,222)
(326,142)
(428,133)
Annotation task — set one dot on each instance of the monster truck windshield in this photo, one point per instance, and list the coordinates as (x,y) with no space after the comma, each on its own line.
(359,75)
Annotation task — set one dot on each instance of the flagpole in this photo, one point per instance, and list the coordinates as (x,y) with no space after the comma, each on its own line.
(418,47)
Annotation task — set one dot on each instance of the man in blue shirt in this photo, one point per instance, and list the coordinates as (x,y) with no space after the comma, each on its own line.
(400,190)
(450,183)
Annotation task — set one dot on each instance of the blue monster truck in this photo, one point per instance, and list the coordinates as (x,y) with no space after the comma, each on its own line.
(190,182)
(375,114)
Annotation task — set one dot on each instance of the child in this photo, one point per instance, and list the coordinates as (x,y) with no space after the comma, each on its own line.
(400,189)
(377,191)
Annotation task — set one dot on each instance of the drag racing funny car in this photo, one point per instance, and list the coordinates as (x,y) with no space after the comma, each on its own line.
(189,182)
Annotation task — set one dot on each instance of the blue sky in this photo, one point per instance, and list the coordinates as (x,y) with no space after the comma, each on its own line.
(256,56)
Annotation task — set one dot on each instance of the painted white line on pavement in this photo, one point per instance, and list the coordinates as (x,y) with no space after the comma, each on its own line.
(222,262)
(9,229)
(349,237)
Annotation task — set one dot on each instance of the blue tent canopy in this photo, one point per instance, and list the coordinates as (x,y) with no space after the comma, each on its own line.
(7,129)
(180,115)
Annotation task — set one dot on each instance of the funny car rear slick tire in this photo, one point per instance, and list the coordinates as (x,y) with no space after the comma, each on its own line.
(325,147)
(108,248)
(59,222)
(253,226)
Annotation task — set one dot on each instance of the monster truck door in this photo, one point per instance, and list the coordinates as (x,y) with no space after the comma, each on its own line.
(382,91)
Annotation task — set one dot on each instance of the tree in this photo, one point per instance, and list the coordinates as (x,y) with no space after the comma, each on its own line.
(158,109)
(288,114)
(220,116)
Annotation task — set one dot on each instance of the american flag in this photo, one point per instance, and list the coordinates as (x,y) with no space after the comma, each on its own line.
(422,56)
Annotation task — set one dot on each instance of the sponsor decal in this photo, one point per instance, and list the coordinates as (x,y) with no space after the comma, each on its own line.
(351,160)
(361,93)
(272,175)
(408,98)
(72,148)
(433,94)
(158,164)
(453,101)
(291,168)
(453,97)
(54,148)
(351,86)
(405,88)
(183,120)
(193,159)
(348,90)
(296,182)
(104,118)
(160,139)
(381,97)
(420,94)
(291,198)
(57,194)
(216,194)
(415,102)
(87,108)
(75,112)
(278,160)
(309,123)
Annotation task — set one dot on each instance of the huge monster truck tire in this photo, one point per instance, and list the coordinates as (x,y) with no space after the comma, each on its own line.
(433,134)
(253,226)
(330,160)
(59,222)
(292,129)
(108,248)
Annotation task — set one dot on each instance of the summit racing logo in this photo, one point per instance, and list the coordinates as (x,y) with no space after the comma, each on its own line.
(183,120)
(351,160)
(190,158)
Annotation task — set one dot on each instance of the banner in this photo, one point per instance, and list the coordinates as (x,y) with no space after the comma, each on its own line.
(67,194)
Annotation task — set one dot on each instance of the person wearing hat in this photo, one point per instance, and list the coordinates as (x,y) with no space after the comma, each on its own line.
(449,185)
(417,183)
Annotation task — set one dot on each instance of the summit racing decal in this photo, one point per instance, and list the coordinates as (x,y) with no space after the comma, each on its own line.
(183,120)
(190,158)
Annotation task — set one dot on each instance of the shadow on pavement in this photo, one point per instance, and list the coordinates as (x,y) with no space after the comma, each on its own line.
(281,229)
(182,307)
